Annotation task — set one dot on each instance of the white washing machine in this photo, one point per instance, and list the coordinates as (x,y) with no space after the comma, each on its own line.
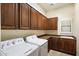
(18,47)
(42,43)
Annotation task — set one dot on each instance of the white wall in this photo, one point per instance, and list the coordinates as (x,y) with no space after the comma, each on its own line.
(34,5)
(76,26)
(51,32)
(9,34)
(65,13)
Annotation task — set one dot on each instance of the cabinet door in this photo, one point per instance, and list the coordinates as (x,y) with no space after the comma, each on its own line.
(52,43)
(60,44)
(39,21)
(50,46)
(44,23)
(9,15)
(53,23)
(24,16)
(34,19)
(70,46)
(55,43)
(47,24)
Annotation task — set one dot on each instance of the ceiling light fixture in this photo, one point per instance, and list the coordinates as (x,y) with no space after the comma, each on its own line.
(52,3)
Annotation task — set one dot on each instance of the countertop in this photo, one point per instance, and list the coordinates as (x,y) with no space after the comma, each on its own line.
(46,36)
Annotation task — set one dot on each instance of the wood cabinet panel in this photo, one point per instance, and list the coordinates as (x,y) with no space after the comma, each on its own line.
(39,21)
(24,16)
(60,44)
(9,15)
(44,23)
(34,19)
(53,23)
(52,43)
(70,46)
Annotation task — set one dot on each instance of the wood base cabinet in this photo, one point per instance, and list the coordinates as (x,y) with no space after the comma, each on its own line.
(62,44)
(70,46)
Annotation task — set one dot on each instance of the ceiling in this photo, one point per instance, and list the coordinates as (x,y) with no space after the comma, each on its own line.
(50,6)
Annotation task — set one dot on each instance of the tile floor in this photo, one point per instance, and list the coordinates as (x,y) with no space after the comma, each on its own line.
(56,53)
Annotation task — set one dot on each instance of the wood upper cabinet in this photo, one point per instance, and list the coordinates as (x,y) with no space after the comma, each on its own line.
(34,19)
(53,23)
(24,16)
(44,23)
(39,21)
(9,15)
